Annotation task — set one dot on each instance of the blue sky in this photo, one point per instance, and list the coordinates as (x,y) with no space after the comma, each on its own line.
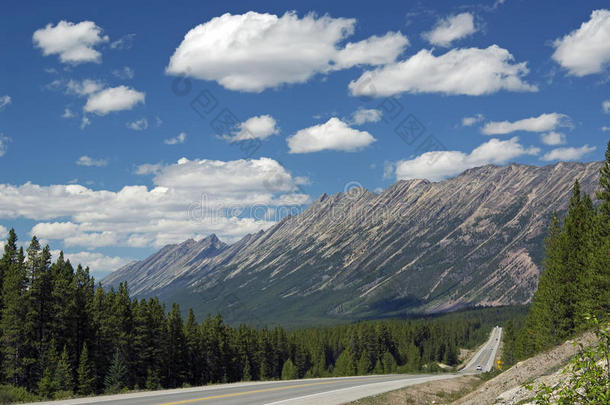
(103,155)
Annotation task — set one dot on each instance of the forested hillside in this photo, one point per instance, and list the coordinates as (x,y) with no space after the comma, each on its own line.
(575,284)
(62,336)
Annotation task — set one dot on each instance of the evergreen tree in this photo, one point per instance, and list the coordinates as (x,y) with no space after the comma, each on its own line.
(344,365)
(86,376)
(176,350)
(364,364)
(389,363)
(13,317)
(63,373)
(289,371)
(116,375)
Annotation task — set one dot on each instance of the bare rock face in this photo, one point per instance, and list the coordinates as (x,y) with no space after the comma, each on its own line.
(419,246)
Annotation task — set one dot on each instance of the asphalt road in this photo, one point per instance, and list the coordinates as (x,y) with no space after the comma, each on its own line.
(486,354)
(322,391)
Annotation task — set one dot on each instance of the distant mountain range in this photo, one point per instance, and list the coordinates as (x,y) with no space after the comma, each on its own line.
(418,246)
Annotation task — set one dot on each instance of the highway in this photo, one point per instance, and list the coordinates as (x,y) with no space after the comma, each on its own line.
(486,354)
(321,391)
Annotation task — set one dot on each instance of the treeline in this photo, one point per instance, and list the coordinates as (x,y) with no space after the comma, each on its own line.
(575,283)
(61,335)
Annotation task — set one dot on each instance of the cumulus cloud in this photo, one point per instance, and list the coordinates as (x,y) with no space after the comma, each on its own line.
(74,43)
(176,140)
(113,99)
(190,198)
(450,29)
(138,125)
(253,51)
(89,161)
(4,101)
(469,71)
(470,121)
(438,165)
(96,262)
(4,140)
(84,88)
(567,153)
(541,123)
(364,115)
(606,106)
(260,127)
(332,135)
(586,50)
(553,138)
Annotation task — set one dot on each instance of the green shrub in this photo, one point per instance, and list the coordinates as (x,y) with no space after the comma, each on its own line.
(588,379)
(10,394)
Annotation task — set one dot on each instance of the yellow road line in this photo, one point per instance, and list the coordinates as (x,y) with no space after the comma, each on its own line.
(237,394)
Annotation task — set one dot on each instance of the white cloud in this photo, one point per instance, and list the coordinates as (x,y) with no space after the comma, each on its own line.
(96,262)
(138,125)
(371,51)
(84,88)
(126,73)
(605,128)
(469,71)
(176,140)
(586,50)
(332,135)
(260,127)
(148,168)
(4,140)
(4,101)
(541,123)
(67,113)
(450,29)
(606,106)
(89,161)
(253,51)
(125,42)
(470,121)
(568,153)
(439,165)
(363,115)
(190,198)
(553,138)
(113,99)
(74,43)
(85,122)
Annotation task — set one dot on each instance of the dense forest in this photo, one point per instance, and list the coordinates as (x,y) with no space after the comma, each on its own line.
(61,335)
(575,284)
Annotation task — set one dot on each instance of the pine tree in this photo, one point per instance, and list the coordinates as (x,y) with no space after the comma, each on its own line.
(389,363)
(13,317)
(364,364)
(289,371)
(63,373)
(193,350)
(603,192)
(116,375)
(176,349)
(86,376)
(344,366)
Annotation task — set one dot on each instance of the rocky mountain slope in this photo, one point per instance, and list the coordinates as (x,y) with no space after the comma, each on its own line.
(475,239)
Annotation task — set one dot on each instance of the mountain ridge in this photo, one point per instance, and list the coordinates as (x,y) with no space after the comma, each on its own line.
(474,239)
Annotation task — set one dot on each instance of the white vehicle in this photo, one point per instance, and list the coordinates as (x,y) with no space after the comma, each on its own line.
(479,368)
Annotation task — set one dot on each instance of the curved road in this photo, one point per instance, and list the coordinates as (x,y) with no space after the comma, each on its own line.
(321,391)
